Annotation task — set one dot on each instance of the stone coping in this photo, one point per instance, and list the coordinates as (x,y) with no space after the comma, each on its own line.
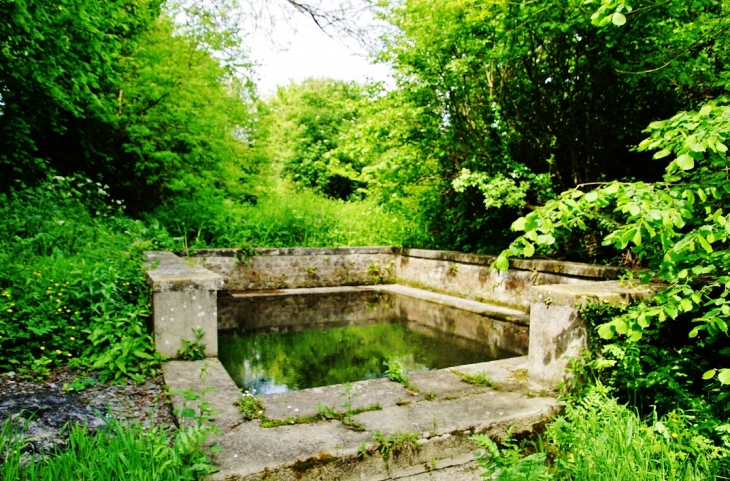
(575,269)
(173,274)
(296,251)
(610,292)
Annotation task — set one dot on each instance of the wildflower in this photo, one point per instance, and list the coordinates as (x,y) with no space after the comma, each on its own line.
(72,338)
(68,354)
(58,351)
(674,435)
(74,327)
(43,348)
(10,310)
(59,309)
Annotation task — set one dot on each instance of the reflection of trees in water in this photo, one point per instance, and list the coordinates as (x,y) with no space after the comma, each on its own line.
(269,362)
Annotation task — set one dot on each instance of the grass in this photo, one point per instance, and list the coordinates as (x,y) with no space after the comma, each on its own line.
(118,452)
(284,217)
(599,439)
(479,379)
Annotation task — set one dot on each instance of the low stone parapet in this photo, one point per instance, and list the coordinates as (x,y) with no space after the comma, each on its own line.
(184,298)
(557,331)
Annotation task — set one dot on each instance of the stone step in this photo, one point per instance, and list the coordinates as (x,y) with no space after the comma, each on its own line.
(326,450)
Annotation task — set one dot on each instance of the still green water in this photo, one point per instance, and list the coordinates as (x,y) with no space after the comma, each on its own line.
(287,361)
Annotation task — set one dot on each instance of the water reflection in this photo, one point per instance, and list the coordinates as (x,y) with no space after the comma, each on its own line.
(282,361)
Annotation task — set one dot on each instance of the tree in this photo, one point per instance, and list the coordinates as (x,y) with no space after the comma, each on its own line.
(307,121)
(533,96)
(60,73)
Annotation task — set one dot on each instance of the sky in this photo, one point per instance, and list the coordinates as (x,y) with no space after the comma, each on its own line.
(302,50)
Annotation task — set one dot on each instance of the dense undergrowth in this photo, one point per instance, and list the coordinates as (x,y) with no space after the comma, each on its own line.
(118,451)
(72,287)
(284,217)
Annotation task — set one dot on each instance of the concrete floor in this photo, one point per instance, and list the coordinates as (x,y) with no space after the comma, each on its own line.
(330,451)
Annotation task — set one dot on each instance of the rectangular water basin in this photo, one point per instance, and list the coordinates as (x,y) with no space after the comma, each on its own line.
(277,341)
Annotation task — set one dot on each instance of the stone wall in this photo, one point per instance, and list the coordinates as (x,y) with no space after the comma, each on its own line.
(298,309)
(471,275)
(501,335)
(301,268)
(454,273)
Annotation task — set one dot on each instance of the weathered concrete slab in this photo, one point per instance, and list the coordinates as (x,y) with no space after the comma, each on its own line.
(362,394)
(474,412)
(253,452)
(175,274)
(506,375)
(442,383)
(463,472)
(331,451)
(328,451)
(199,375)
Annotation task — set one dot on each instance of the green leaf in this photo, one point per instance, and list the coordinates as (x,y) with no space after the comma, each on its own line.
(591,196)
(703,242)
(188,413)
(605,331)
(685,162)
(662,153)
(529,249)
(724,376)
(519,224)
(706,110)
(618,19)
(502,263)
(709,374)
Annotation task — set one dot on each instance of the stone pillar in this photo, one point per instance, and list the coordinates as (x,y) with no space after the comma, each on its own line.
(184,298)
(557,331)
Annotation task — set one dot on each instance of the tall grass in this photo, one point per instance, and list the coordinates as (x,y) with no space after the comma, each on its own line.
(115,452)
(284,217)
(599,439)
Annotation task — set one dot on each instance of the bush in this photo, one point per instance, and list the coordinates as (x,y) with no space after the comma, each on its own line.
(284,217)
(117,451)
(72,286)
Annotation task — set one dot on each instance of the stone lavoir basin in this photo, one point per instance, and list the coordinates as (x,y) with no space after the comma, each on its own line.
(311,331)
(296,339)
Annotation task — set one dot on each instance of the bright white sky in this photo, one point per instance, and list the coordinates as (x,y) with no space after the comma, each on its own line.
(303,51)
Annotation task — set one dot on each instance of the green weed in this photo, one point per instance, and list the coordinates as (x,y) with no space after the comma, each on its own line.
(479,379)
(398,443)
(250,406)
(193,350)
